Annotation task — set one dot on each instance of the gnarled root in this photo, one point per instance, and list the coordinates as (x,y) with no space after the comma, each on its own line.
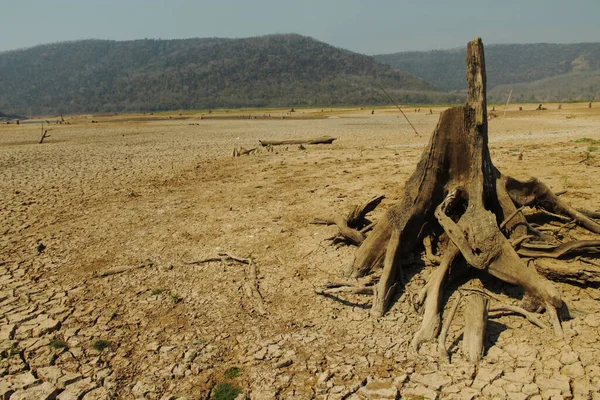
(430,295)
(385,288)
(443,353)
(475,323)
(535,193)
(372,251)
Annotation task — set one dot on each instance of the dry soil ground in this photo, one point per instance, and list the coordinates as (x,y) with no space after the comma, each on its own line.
(163,192)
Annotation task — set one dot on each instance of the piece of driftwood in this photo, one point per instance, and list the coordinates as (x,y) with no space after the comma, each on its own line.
(350,227)
(119,270)
(251,288)
(315,140)
(220,258)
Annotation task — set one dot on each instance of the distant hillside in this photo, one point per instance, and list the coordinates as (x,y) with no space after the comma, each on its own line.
(567,87)
(274,70)
(507,65)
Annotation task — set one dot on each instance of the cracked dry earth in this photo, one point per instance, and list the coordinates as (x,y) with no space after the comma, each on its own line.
(157,196)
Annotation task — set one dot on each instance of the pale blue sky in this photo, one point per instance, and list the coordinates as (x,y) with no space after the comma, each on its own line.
(370,27)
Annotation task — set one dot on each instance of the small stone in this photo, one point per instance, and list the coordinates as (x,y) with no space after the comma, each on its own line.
(592,320)
(260,354)
(556,382)
(520,375)
(553,394)
(153,346)
(569,357)
(68,379)
(379,389)
(44,326)
(434,381)
(45,391)
(77,390)
(582,388)
(574,370)
(511,387)
(50,374)
(324,377)
(23,381)
(516,396)
(530,389)
(5,390)
(419,392)
(494,391)
(399,380)
(468,393)
(485,376)
(140,389)
(7,332)
(97,394)
(284,363)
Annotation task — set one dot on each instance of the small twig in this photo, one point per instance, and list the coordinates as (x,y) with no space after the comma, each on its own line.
(444,332)
(518,310)
(221,258)
(251,288)
(398,107)
(516,242)
(368,228)
(482,292)
(366,290)
(119,270)
(585,260)
(511,216)
(506,106)
(557,216)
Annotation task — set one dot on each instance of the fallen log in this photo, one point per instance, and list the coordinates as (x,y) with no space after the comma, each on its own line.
(315,140)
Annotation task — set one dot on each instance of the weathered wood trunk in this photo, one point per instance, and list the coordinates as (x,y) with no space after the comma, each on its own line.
(456,196)
(456,191)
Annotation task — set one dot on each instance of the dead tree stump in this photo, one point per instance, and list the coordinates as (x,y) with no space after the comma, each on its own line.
(458,197)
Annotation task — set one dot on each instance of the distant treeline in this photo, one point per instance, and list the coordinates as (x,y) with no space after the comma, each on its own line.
(152,75)
(510,64)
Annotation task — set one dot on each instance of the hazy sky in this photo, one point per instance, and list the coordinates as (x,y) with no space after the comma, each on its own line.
(370,27)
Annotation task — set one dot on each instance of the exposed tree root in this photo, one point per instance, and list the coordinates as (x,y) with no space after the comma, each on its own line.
(442,351)
(430,295)
(350,227)
(475,323)
(351,235)
(505,308)
(565,248)
(579,274)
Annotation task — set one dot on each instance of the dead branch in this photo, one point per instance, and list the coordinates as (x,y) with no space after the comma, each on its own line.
(243,152)
(358,213)
(559,251)
(118,270)
(45,135)
(579,274)
(222,257)
(251,288)
(352,235)
(315,140)
(505,308)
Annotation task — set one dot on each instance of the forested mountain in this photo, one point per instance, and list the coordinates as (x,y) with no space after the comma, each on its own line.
(147,75)
(508,64)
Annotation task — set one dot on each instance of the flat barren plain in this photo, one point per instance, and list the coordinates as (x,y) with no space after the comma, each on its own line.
(107,290)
